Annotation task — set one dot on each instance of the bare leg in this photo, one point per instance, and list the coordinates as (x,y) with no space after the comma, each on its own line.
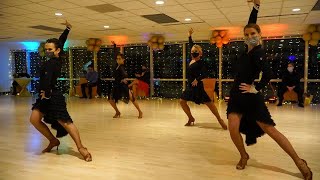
(186,109)
(285,145)
(135,82)
(35,119)
(214,110)
(114,105)
(74,133)
(134,89)
(234,124)
(134,102)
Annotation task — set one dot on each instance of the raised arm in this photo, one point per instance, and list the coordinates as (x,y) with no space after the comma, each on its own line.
(254,13)
(115,50)
(190,38)
(63,37)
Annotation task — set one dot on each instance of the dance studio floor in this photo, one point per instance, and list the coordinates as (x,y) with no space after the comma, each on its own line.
(158,146)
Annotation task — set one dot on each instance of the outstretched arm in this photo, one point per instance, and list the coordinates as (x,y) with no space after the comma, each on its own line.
(115,50)
(254,13)
(190,38)
(63,37)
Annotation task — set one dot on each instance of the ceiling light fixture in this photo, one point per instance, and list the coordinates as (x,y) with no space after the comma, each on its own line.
(159,2)
(296,9)
(58,14)
(187,19)
(106,27)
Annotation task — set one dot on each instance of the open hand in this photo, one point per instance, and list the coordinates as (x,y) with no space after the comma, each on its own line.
(247,88)
(43,95)
(194,83)
(67,24)
(190,31)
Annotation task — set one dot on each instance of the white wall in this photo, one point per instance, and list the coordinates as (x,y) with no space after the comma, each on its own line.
(5,80)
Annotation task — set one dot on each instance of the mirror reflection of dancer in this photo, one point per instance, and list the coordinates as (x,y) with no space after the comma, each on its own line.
(195,92)
(51,105)
(247,112)
(120,89)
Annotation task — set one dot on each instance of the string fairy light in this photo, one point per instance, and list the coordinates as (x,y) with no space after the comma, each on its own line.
(168,64)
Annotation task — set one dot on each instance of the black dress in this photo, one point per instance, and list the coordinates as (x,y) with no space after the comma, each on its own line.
(250,106)
(54,108)
(198,71)
(120,90)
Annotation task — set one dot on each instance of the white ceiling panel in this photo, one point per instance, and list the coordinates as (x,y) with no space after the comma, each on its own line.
(275,18)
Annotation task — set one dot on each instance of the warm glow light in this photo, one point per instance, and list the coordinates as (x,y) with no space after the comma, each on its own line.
(106,27)
(187,19)
(296,9)
(58,14)
(119,40)
(159,2)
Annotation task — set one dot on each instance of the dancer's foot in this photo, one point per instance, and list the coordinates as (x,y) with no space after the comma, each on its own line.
(140,115)
(52,144)
(85,154)
(222,124)
(243,162)
(190,122)
(117,115)
(305,170)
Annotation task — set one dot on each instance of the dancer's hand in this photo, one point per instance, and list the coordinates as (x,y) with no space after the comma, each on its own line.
(67,24)
(290,88)
(254,1)
(190,31)
(43,95)
(194,83)
(248,88)
(137,75)
(124,81)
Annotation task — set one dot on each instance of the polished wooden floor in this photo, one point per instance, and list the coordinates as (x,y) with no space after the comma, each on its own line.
(158,146)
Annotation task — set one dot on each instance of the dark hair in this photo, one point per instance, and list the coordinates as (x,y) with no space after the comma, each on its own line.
(121,55)
(254,26)
(291,64)
(90,66)
(55,41)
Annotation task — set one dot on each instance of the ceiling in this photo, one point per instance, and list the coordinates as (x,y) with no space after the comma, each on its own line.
(127,24)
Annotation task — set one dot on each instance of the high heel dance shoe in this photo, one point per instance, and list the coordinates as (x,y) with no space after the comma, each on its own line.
(242,163)
(86,156)
(190,122)
(222,124)
(305,170)
(117,115)
(52,144)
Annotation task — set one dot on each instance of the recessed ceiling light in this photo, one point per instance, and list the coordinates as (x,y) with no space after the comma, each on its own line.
(159,2)
(106,27)
(187,19)
(296,9)
(58,14)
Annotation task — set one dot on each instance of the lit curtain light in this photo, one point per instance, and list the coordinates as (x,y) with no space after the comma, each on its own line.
(313,73)
(80,56)
(168,65)
(106,66)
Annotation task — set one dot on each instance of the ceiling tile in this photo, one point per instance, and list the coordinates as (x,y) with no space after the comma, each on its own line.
(131,5)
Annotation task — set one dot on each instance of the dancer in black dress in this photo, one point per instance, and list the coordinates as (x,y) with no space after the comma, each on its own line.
(51,105)
(247,112)
(120,89)
(195,92)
